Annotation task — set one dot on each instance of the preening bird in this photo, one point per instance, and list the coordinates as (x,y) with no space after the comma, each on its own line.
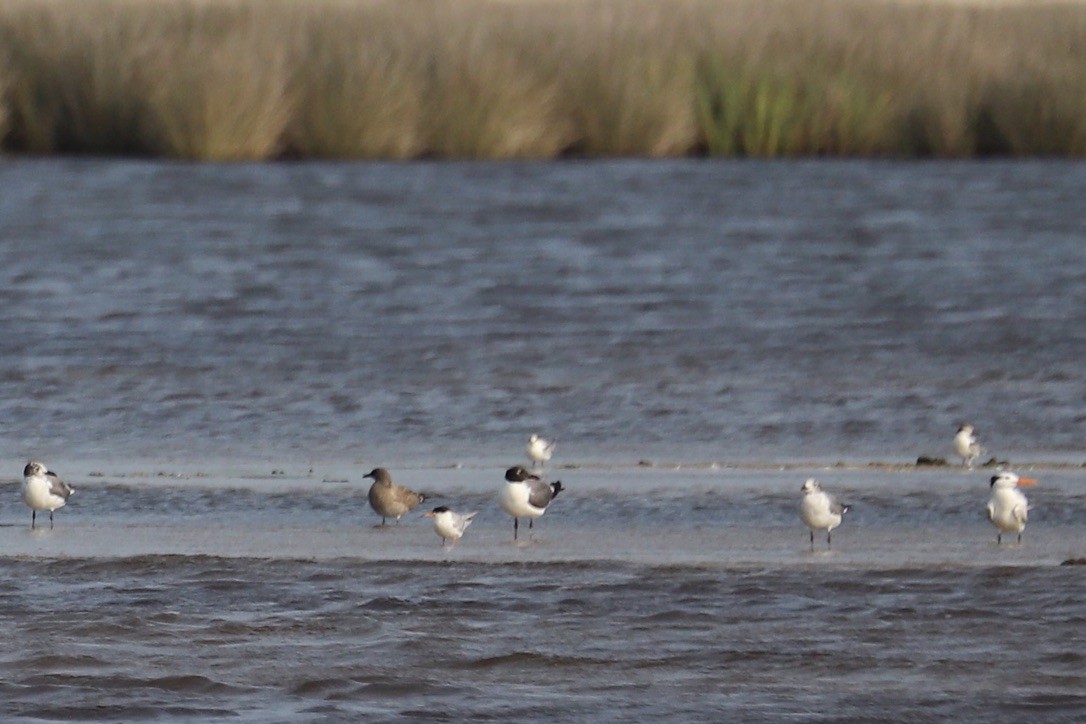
(967,446)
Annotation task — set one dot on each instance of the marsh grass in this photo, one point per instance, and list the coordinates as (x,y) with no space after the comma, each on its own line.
(255,79)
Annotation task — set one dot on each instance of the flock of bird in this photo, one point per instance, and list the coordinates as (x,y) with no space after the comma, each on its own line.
(527,495)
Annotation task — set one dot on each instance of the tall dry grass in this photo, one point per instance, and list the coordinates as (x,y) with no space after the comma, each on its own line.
(255,79)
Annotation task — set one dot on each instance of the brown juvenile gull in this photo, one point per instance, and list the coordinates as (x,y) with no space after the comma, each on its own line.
(388,499)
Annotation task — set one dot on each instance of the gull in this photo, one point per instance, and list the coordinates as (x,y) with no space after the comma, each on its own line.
(389,499)
(449,524)
(966,445)
(819,510)
(540,450)
(43,490)
(1008,508)
(526,495)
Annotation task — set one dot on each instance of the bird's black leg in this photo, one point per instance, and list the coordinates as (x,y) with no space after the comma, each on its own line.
(50,520)
(516,525)
(829,540)
(999,539)
(33,518)
(1019,538)
(812,540)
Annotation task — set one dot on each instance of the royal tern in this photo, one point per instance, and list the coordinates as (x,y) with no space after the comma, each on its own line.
(526,495)
(540,450)
(389,499)
(1008,508)
(449,524)
(43,490)
(966,445)
(819,510)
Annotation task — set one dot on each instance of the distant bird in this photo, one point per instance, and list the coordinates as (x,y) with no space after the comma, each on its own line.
(389,499)
(449,524)
(1008,508)
(526,495)
(819,510)
(43,490)
(966,445)
(540,450)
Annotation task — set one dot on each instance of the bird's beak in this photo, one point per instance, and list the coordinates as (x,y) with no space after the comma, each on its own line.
(429,515)
(1026,482)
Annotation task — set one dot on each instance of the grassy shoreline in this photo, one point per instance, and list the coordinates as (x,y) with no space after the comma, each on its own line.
(228,80)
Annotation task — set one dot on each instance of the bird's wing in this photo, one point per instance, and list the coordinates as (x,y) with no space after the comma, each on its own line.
(991,510)
(1020,513)
(57,486)
(541,493)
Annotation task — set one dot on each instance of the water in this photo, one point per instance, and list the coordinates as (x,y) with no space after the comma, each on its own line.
(214,355)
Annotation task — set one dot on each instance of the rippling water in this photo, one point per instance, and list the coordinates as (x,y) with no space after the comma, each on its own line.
(213,355)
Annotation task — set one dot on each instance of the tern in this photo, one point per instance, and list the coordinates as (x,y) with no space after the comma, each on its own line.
(526,495)
(819,510)
(540,450)
(1008,508)
(43,490)
(389,499)
(449,524)
(966,445)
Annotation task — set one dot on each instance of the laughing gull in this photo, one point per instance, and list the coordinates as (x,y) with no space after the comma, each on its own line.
(43,490)
(526,495)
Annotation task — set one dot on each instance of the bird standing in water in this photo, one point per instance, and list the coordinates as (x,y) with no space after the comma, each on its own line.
(388,499)
(967,446)
(540,450)
(43,490)
(526,495)
(1008,508)
(819,510)
(449,524)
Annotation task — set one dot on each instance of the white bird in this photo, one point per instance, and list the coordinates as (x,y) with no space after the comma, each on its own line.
(449,524)
(819,510)
(389,499)
(1008,508)
(966,445)
(43,490)
(526,495)
(540,450)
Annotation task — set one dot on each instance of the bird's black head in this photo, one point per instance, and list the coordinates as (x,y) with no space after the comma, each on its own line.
(993,480)
(556,488)
(440,509)
(517,474)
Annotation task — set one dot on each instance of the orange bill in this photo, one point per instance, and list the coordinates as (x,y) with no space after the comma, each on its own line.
(1026,482)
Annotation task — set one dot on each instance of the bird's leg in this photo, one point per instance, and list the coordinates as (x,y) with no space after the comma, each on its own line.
(33,518)
(50,520)
(829,540)
(516,525)
(1019,539)
(999,539)
(812,540)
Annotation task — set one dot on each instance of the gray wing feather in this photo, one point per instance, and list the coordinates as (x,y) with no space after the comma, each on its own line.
(57,486)
(541,493)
